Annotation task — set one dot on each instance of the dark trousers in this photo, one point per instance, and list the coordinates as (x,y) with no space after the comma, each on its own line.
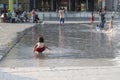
(62,20)
(101,25)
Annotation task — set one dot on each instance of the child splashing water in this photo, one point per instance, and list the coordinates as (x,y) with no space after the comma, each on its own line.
(111,24)
(40,46)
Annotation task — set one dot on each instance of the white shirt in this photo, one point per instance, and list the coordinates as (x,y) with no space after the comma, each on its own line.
(61,13)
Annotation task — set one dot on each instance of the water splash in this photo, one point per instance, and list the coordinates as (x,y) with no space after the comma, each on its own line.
(60,50)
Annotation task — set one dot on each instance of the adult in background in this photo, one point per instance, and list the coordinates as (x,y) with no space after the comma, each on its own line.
(33,14)
(103,19)
(24,15)
(5,15)
(9,15)
(29,16)
(61,15)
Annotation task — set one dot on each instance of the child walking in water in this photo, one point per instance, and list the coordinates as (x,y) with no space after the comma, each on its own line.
(40,46)
(111,24)
(92,18)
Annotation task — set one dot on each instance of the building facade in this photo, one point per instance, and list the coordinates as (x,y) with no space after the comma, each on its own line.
(22,4)
(69,5)
(74,5)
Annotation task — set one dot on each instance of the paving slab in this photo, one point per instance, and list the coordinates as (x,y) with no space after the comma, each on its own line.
(8,31)
(61,73)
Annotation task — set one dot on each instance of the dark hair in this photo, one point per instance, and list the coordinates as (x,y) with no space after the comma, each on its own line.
(40,39)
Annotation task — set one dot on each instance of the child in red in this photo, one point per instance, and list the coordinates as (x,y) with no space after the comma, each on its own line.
(40,45)
(92,18)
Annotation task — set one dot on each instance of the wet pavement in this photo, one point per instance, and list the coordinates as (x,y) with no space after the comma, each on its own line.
(71,45)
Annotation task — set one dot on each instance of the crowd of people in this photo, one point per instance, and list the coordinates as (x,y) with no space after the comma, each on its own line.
(18,16)
(102,20)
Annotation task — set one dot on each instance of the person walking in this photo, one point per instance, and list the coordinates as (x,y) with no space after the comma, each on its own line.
(61,15)
(29,16)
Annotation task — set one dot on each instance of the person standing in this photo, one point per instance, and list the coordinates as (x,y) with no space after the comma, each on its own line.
(61,15)
(102,20)
(92,18)
(33,14)
(111,23)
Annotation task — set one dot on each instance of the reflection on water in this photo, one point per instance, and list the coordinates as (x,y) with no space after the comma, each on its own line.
(71,44)
(60,37)
(80,42)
